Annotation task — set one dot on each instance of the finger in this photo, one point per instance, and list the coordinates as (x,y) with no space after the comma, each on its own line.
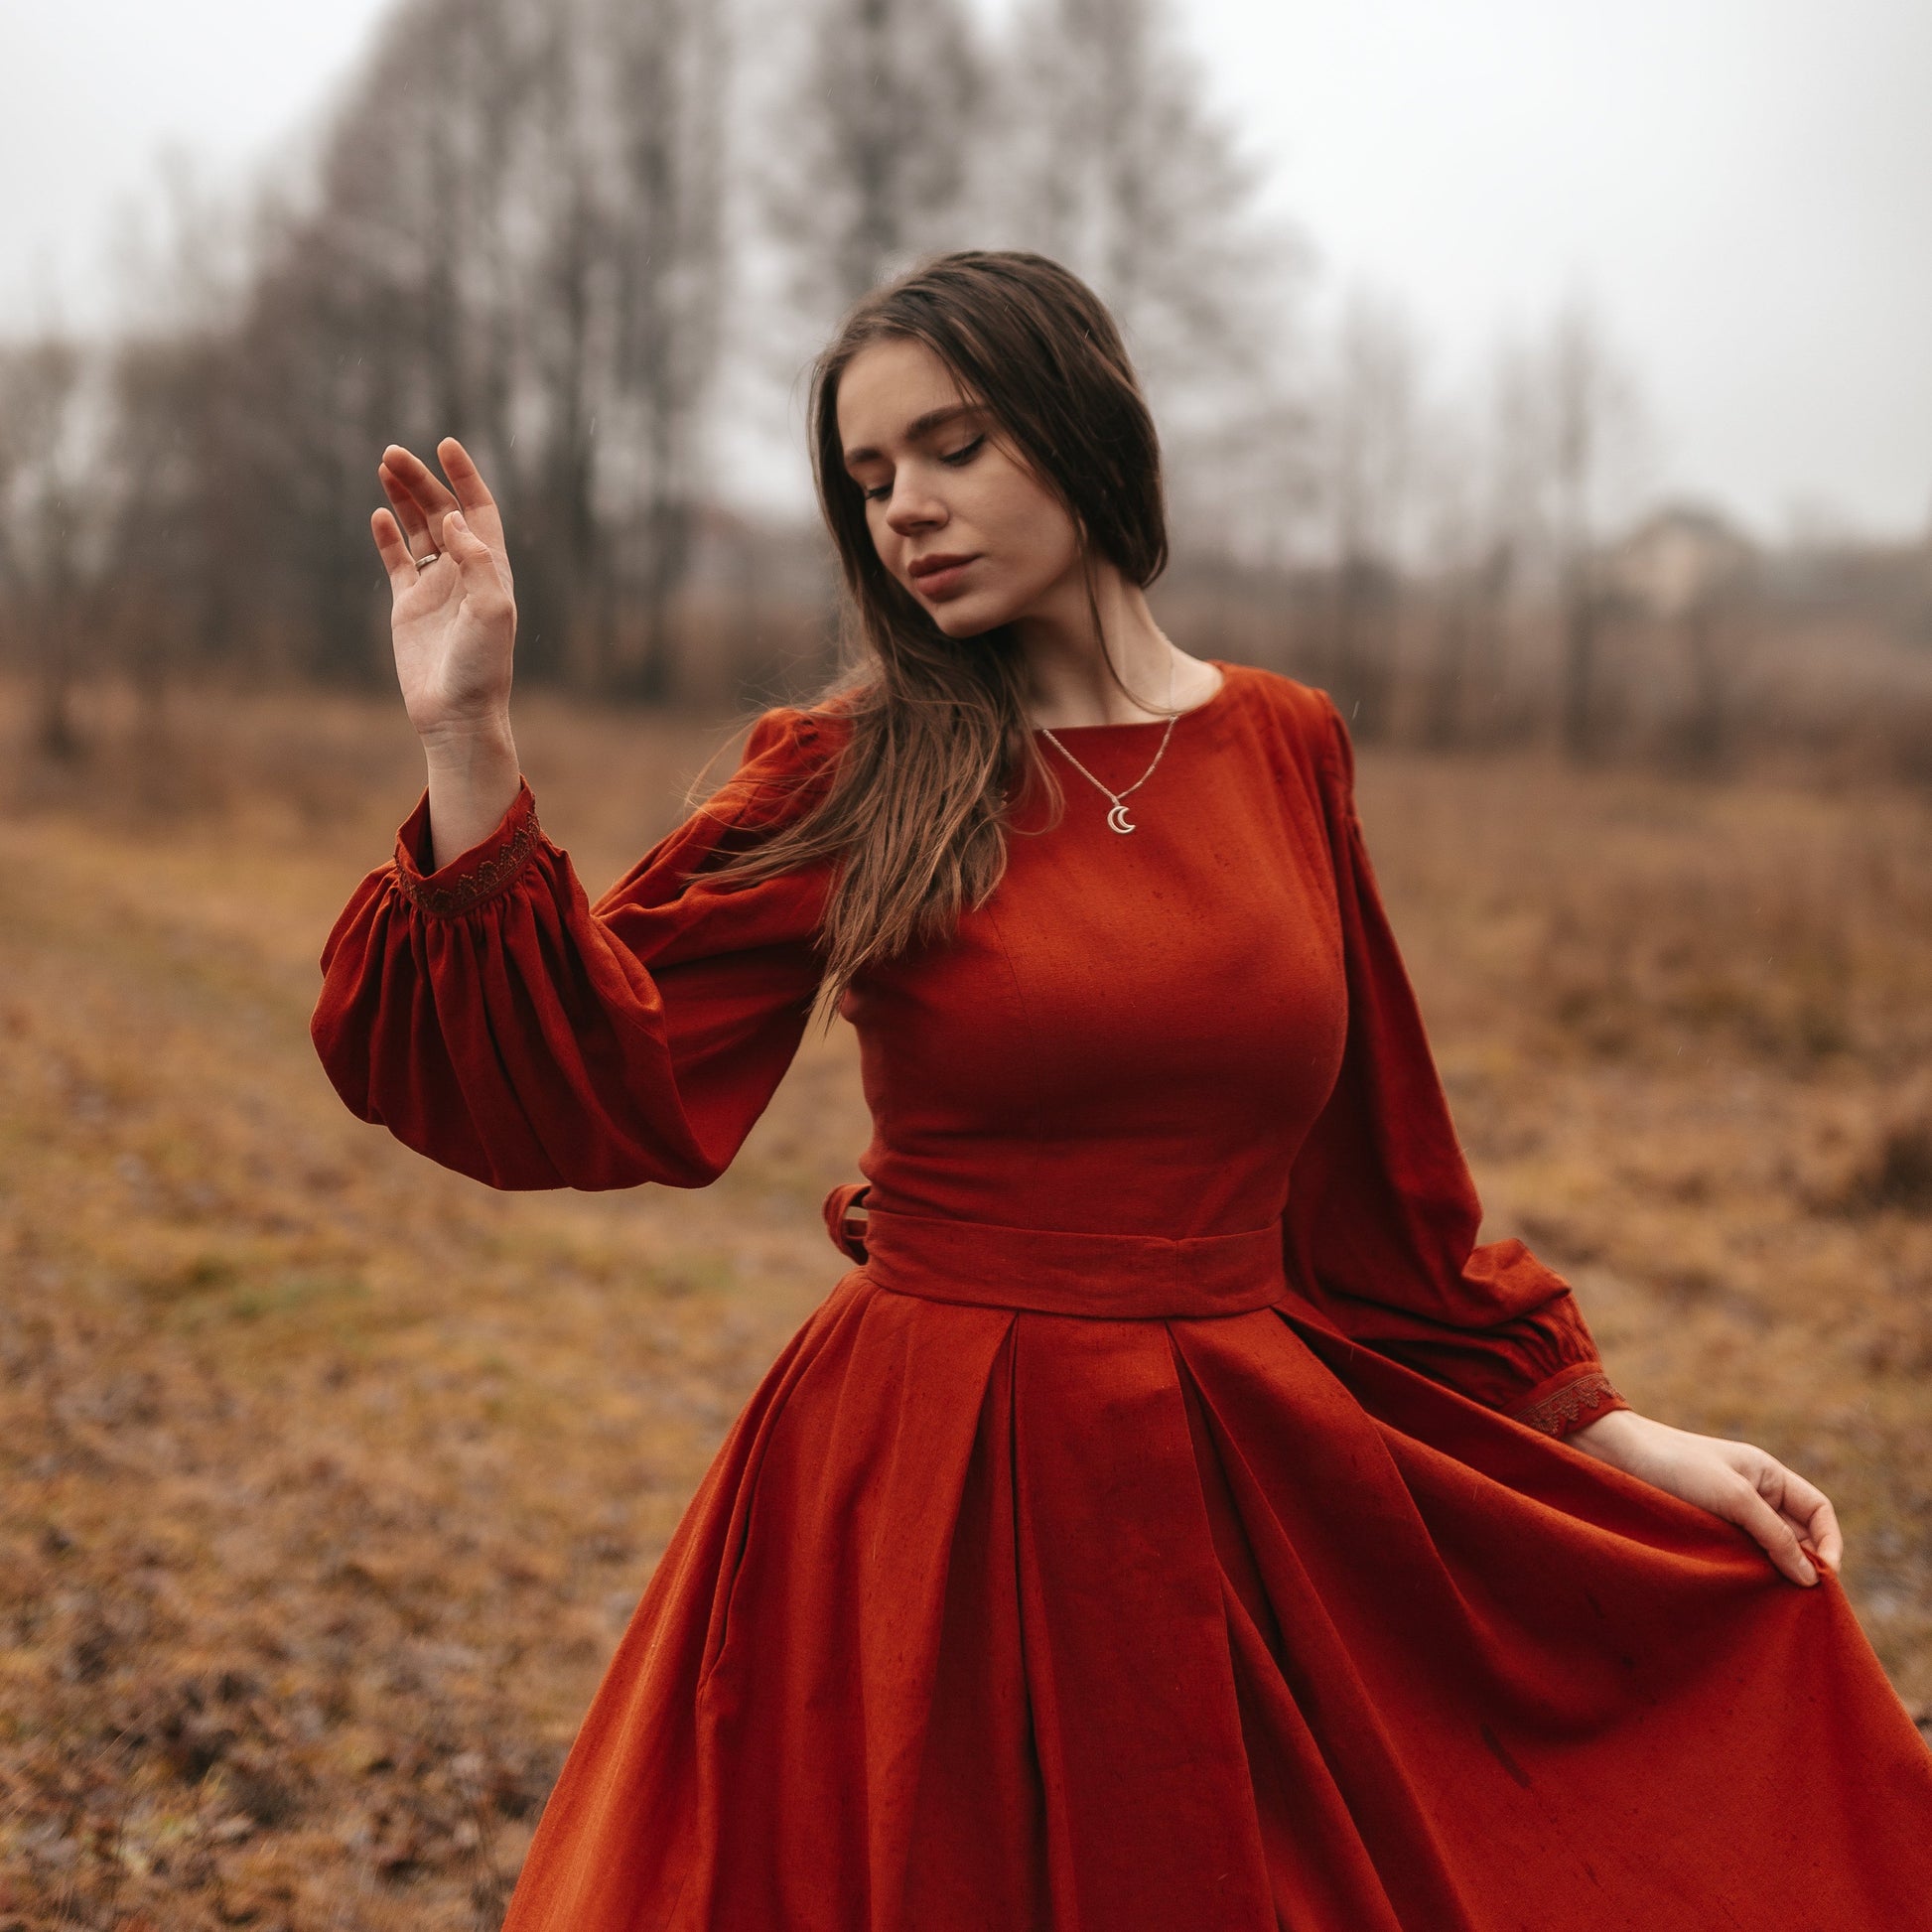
(482,585)
(1753,1514)
(1805,1507)
(472,492)
(1813,1532)
(409,512)
(411,515)
(420,482)
(458,527)
(1826,1537)
(393,550)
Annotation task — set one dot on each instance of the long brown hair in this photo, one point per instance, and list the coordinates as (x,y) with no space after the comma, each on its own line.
(914,813)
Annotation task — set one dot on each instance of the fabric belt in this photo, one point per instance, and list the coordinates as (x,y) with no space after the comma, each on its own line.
(1045,1270)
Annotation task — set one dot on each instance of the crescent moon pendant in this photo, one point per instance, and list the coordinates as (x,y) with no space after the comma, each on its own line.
(1118,819)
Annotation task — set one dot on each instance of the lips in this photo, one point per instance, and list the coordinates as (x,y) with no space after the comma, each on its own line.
(942,576)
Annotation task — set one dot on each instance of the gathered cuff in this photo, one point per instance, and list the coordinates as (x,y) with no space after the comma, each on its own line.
(1568,1402)
(472,878)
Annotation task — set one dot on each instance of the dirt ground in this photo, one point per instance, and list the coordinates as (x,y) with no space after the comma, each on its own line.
(328,1479)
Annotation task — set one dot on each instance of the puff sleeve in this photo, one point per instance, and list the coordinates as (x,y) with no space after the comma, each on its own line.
(494,1020)
(1382,1217)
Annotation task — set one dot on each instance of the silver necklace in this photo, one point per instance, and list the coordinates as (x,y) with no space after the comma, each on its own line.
(1117,819)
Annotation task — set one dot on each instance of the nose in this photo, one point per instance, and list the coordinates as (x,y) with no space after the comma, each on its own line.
(913,508)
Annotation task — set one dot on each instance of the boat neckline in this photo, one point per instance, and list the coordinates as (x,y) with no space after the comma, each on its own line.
(1209,703)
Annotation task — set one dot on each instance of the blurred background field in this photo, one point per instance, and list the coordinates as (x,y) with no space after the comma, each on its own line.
(328,1478)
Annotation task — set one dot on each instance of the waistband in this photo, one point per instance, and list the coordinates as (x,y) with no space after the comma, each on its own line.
(1043,1271)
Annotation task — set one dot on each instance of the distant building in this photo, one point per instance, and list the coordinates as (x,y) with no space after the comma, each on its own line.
(1680,559)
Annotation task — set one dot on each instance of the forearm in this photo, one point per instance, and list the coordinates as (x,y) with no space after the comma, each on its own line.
(474,777)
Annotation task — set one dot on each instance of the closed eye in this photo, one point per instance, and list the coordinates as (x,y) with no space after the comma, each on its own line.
(956,459)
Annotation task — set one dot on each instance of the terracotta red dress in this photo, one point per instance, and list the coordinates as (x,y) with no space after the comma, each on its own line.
(1167,1528)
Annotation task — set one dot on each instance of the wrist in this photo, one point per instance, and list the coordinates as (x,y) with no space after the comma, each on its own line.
(492,731)
(1611,1436)
(473,779)
(461,745)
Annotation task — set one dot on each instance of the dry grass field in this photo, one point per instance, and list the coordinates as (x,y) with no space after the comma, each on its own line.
(327,1478)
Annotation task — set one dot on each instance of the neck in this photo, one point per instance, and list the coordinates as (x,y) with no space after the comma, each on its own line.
(1075,677)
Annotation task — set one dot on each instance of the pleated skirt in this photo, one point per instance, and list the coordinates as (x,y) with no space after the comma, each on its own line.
(1191,1615)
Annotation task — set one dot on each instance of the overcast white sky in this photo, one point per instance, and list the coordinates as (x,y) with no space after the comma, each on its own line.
(1744,186)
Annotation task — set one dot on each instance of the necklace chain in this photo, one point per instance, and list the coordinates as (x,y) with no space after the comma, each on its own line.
(1117,818)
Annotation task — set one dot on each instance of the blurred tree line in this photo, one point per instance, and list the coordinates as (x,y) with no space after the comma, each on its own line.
(600,240)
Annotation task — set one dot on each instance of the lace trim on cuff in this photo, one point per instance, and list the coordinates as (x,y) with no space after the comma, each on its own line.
(1573,1405)
(484,880)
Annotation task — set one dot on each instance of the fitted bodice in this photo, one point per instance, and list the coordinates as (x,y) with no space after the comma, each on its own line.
(1136,1031)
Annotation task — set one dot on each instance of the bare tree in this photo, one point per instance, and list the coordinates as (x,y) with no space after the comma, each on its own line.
(563,348)
(1109,155)
(173,584)
(1472,567)
(1112,159)
(50,528)
(869,167)
(670,267)
(1487,476)
(1368,438)
(1591,419)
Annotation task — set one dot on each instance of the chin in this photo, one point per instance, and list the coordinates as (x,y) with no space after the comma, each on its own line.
(956,623)
(970,617)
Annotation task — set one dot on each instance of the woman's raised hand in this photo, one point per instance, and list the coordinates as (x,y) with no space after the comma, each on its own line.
(454,620)
(454,627)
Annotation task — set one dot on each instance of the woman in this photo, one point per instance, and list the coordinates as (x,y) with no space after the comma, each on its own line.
(1177,1520)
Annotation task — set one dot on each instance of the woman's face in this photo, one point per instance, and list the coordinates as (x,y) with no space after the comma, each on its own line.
(955,514)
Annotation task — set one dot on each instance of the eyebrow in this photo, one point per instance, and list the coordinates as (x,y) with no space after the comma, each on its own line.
(919,426)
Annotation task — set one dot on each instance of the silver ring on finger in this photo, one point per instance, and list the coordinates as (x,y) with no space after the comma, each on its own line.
(423,563)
